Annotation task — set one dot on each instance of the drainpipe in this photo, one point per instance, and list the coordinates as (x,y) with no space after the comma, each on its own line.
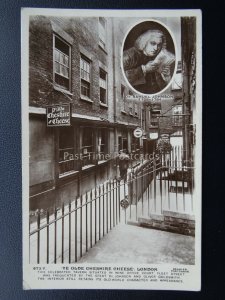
(114,84)
(142,127)
(114,91)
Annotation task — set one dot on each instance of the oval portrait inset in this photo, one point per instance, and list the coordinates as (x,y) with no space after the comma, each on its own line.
(149,57)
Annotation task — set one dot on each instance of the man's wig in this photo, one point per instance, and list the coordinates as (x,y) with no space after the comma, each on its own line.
(142,40)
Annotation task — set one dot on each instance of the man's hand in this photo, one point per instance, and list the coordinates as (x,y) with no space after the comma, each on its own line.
(151,66)
(166,73)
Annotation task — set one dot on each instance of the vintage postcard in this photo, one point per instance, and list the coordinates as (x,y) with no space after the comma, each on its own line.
(111,138)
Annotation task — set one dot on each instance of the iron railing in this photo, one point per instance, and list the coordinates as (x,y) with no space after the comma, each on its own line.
(65,234)
(71,230)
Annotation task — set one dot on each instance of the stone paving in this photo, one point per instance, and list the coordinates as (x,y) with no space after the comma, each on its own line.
(133,244)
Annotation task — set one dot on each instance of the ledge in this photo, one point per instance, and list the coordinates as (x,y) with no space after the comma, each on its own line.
(85,52)
(100,162)
(67,174)
(59,89)
(37,110)
(103,105)
(87,167)
(86,117)
(83,98)
(102,49)
(179,215)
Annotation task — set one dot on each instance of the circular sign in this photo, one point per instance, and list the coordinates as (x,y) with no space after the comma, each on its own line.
(138,132)
(124,203)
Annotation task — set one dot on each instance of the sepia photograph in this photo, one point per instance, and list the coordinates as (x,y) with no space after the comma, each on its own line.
(111,118)
(148,64)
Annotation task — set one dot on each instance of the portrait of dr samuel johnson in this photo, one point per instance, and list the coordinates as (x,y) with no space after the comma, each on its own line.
(150,62)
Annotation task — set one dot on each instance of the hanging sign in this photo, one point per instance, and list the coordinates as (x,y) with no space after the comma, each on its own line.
(153,135)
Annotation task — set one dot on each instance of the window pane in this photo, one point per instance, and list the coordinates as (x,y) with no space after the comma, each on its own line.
(102,74)
(62,46)
(61,58)
(103,95)
(85,75)
(84,66)
(66,150)
(64,71)
(62,81)
(102,83)
(85,88)
(67,72)
(57,55)
(85,69)
(102,32)
(66,60)
(103,79)
(57,67)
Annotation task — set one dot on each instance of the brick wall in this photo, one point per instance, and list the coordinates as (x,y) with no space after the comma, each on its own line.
(40,61)
(84,37)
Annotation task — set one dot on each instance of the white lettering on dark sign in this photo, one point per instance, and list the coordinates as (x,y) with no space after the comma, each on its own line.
(58,115)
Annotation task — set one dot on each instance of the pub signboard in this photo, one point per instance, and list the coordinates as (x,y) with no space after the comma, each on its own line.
(58,115)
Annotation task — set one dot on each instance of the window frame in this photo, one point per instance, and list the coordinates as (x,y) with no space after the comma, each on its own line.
(154,120)
(106,86)
(88,157)
(178,115)
(56,36)
(102,134)
(88,62)
(74,161)
(102,43)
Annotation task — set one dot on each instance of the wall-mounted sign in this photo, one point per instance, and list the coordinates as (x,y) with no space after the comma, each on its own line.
(153,135)
(138,132)
(58,115)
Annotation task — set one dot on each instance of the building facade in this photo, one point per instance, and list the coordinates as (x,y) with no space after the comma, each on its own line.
(76,62)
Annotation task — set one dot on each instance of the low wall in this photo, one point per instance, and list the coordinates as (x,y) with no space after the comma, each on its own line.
(170,221)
